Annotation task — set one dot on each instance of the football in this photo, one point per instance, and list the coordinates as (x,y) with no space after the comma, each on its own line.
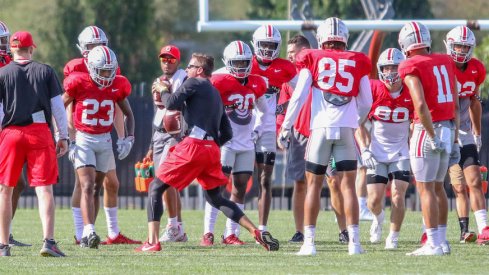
(159,86)
(172,122)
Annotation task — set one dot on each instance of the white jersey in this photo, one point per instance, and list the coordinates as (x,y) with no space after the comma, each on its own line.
(389,141)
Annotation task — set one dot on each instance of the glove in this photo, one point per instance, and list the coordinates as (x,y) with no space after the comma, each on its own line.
(124,146)
(255,136)
(436,144)
(454,155)
(280,109)
(368,159)
(72,151)
(478,142)
(283,139)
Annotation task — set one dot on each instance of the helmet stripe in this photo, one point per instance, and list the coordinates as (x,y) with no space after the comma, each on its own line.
(239,45)
(269,31)
(389,55)
(3,27)
(464,33)
(95,32)
(107,54)
(417,33)
(335,26)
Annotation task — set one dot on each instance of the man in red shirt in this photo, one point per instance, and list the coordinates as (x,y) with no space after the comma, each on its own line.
(431,83)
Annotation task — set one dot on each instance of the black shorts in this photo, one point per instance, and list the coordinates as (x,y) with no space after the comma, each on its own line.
(469,156)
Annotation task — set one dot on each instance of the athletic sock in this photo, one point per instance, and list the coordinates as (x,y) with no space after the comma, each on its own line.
(442,233)
(464,224)
(210,217)
(362,202)
(481,219)
(88,229)
(432,235)
(173,222)
(354,233)
(309,234)
(262,227)
(112,222)
(379,218)
(78,222)
(393,235)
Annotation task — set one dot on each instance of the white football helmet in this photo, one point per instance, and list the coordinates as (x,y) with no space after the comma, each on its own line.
(332,29)
(460,35)
(4,38)
(266,33)
(414,35)
(91,35)
(390,56)
(102,65)
(237,51)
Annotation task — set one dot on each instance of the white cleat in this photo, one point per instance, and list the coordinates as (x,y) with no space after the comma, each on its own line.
(427,250)
(375,232)
(366,215)
(445,247)
(391,244)
(173,234)
(307,250)
(355,249)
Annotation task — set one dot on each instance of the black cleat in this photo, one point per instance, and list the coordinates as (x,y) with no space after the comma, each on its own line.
(50,249)
(343,237)
(4,250)
(13,242)
(92,241)
(297,238)
(266,240)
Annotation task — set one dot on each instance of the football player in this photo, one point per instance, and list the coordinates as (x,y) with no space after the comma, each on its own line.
(340,93)
(431,83)
(386,152)
(95,95)
(240,93)
(266,63)
(161,142)
(5,58)
(470,72)
(88,39)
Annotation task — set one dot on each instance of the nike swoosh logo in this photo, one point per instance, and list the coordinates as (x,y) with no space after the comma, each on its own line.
(115,90)
(407,100)
(474,72)
(147,248)
(277,70)
(254,86)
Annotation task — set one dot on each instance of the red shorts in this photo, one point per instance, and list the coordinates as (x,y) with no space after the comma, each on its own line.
(193,159)
(32,144)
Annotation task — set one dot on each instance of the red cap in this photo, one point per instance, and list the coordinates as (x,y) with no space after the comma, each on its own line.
(170,50)
(21,39)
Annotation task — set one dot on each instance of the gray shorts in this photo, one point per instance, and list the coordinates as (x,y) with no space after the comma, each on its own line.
(426,164)
(94,150)
(321,146)
(385,168)
(267,142)
(240,161)
(161,144)
(296,164)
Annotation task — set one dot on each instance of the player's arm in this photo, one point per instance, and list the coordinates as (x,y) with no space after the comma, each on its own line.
(475,111)
(364,99)
(225,130)
(59,114)
(420,107)
(298,98)
(262,106)
(127,112)
(362,135)
(456,110)
(119,122)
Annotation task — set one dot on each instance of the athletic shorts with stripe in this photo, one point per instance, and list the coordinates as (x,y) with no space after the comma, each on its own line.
(94,150)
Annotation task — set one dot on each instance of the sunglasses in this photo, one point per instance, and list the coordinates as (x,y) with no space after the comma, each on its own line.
(193,66)
(168,60)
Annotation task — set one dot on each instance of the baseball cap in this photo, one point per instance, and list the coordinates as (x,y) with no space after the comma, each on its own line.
(170,50)
(21,39)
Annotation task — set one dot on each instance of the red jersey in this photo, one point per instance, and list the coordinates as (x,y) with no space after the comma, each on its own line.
(234,93)
(335,71)
(284,96)
(303,122)
(388,109)
(94,107)
(278,72)
(436,73)
(79,65)
(4,60)
(471,78)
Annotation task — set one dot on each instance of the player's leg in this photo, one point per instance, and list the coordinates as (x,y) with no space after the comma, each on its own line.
(76,210)
(5,218)
(361,191)
(337,204)
(265,159)
(377,180)
(18,189)
(459,187)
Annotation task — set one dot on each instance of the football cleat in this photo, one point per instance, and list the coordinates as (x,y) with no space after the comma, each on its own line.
(468,237)
(173,234)
(13,242)
(77,242)
(266,240)
(50,249)
(355,249)
(366,215)
(445,247)
(120,239)
(375,232)
(297,238)
(232,240)
(483,237)
(92,241)
(307,250)
(4,250)
(147,247)
(424,238)
(391,243)
(207,239)
(343,237)
(427,250)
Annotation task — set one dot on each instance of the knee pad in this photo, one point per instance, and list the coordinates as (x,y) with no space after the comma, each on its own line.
(227,169)
(269,158)
(346,165)
(401,175)
(372,178)
(316,169)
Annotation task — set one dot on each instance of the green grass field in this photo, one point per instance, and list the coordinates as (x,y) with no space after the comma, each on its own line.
(190,258)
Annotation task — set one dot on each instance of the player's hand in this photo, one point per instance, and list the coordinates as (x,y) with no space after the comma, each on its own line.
(436,144)
(255,135)
(478,142)
(161,86)
(454,155)
(368,159)
(149,155)
(124,146)
(72,151)
(61,147)
(283,139)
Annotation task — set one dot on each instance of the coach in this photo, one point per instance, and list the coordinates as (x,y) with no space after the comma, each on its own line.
(31,96)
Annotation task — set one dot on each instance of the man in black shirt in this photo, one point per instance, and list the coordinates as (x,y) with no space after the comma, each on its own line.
(197,156)
(31,95)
